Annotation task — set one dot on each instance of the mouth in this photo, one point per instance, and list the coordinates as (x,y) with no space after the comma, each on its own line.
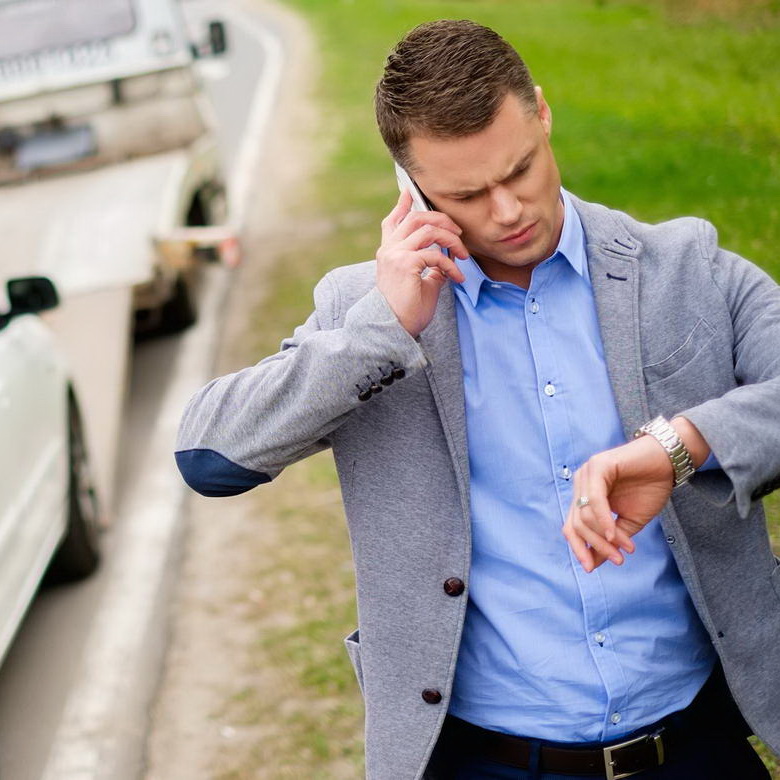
(520,237)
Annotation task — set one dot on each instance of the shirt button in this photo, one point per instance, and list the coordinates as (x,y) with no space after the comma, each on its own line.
(549,389)
(599,637)
(566,472)
(534,307)
(616,718)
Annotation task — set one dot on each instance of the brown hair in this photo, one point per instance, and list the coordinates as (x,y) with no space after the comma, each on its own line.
(447,79)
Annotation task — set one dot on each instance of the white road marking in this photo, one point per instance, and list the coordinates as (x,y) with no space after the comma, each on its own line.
(97,725)
(263,102)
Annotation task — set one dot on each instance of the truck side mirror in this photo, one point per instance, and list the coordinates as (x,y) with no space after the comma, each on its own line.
(31,294)
(217,37)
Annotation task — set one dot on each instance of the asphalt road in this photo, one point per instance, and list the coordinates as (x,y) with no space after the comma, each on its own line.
(77,683)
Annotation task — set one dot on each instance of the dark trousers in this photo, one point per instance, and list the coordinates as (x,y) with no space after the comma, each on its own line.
(715,747)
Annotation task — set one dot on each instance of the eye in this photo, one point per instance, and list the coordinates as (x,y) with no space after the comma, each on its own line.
(520,171)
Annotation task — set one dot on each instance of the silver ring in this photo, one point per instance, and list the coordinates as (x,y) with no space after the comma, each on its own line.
(583,501)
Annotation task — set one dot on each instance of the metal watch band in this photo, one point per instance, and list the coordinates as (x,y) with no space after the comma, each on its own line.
(661,430)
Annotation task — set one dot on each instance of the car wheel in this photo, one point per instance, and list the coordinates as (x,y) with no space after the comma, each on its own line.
(79,552)
(179,311)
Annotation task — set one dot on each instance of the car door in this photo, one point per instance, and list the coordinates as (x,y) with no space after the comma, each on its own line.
(33,463)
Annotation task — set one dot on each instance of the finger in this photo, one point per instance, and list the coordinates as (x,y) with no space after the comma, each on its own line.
(591,556)
(598,511)
(628,529)
(598,543)
(435,277)
(391,222)
(414,220)
(428,234)
(576,494)
(586,524)
(434,258)
(581,550)
(623,540)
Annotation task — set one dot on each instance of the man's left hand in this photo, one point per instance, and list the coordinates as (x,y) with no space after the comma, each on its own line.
(625,487)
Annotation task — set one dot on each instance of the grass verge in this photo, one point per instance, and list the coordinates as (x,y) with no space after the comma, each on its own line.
(657,114)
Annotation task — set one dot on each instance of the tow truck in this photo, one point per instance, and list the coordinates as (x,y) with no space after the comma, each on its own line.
(109,172)
(110,180)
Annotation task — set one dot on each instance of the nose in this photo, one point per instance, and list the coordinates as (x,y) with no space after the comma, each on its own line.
(505,207)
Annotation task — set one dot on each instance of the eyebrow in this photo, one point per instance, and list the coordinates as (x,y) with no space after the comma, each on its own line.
(517,169)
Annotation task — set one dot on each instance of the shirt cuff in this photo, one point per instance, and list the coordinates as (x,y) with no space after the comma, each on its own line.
(710,464)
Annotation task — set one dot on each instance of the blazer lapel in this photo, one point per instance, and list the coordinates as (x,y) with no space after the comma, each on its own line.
(445,375)
(614,272)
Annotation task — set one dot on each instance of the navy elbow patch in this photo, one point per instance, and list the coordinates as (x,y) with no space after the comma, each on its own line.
(212,474)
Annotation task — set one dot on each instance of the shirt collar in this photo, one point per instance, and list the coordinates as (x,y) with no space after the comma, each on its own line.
(570,246)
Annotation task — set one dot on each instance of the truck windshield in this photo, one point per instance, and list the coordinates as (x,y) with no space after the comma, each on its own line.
(30,26)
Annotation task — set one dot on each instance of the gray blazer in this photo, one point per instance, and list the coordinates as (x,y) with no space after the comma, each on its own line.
(687,328)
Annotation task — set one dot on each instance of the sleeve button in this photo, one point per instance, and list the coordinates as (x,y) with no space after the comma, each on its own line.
(364,395)
(431,696)
(376,388)
(398,373)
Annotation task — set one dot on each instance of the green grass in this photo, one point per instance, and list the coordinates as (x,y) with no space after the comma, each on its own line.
(653,114)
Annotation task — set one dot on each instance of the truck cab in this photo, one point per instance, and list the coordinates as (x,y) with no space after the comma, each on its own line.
(109,173)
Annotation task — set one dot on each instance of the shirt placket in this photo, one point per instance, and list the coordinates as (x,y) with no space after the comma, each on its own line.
(552,392)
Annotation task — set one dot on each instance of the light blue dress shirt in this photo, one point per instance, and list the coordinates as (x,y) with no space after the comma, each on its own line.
(549,651)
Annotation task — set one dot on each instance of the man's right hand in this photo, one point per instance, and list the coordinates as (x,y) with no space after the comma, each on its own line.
(406,252)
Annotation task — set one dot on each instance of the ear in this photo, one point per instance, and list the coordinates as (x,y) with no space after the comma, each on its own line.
(543,111)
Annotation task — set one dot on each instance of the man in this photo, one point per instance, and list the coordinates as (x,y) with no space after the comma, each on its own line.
(481,407)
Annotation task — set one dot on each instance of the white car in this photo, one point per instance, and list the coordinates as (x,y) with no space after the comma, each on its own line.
(49,518)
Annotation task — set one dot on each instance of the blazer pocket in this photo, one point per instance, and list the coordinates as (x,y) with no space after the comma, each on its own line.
(352,643)
(697,339)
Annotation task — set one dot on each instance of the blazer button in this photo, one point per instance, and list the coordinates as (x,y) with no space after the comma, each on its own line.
(398,373)
(364,395)
(454,586)
(431,696)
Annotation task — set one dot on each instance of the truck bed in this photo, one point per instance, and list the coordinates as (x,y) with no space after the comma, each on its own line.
(90,230)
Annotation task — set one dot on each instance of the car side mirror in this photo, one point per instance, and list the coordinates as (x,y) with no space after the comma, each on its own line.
(31,294)
(217,37)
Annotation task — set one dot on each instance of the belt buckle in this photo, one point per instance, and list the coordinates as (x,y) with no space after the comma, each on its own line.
(609,763)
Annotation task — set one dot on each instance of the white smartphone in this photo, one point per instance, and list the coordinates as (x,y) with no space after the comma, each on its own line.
(419,201)
(406,182)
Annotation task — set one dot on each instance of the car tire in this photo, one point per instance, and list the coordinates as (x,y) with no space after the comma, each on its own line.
(178,312)
(79,552)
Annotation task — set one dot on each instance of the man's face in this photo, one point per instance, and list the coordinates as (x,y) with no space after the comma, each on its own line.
(501,186)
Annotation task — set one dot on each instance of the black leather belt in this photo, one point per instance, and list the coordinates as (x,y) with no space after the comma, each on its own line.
(711,713)
(613,762)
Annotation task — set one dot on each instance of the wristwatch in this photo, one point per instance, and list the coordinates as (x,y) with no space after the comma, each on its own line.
(662,431)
